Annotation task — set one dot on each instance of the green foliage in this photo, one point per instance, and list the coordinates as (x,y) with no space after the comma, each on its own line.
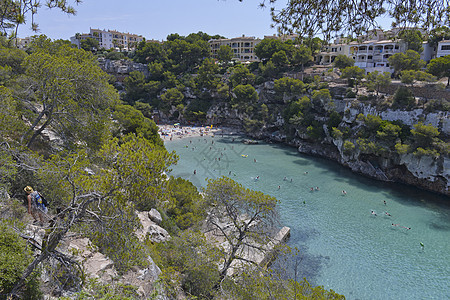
(402,148)
(406,61)
(89,44)
(297,109)
(389,132)
(408,76)
(403,98)
(348,147)
(343,61)
(190,260)
(240,74)
(171,97)
(267,285)
(104,291)
(185,206)
(322,99)
(440,67)
(225,54)
(113,55)
(268,70)
(244,97)
(289,86)
(334,120)
(426,152)
(133,121)
(280,59)
(302,55)
(14,258)
(135,87)
(353,74)
(424,135)
(336,133)
(207,75)
(377,81)
(413,39)
(72,94)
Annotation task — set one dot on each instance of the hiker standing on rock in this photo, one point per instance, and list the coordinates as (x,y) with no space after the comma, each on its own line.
(36,204)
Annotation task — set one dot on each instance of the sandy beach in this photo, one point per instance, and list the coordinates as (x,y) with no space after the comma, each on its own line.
(172,132)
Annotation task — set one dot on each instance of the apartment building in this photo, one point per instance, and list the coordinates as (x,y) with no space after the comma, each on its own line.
(371,52)
(110,39)
(443,48)
(243,47)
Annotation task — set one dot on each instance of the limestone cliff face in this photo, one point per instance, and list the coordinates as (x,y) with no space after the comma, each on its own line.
(421,171)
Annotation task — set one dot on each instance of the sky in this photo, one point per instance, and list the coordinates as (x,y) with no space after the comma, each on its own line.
(155,19)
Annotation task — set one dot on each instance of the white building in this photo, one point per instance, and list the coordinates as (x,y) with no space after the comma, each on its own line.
(110,39)
(443,48)
(373,55)
(243,47)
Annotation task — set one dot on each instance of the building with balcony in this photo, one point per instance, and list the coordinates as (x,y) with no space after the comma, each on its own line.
(243,47)
(443,48)
(373,55)
(110,39)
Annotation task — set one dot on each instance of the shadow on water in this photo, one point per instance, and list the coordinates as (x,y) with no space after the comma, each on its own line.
(308,265)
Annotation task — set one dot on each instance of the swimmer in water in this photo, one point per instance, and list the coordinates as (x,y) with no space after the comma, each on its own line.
(306,173)
(195,172)
(387,214)
(311,189)
(279,187)
(317,188)
(384,201)
(284,179)
(373,212)
(395,224)
(344,192)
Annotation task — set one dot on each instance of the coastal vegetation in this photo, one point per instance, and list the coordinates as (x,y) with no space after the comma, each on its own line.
(88,142)
(100,160)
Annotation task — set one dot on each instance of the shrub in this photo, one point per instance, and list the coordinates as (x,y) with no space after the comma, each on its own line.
(15,256)
(402,148)
(403,98)
(348,147)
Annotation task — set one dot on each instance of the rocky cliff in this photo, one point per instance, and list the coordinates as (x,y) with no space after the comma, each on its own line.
(425,172)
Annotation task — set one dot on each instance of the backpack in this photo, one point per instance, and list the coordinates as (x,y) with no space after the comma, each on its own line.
(39,200)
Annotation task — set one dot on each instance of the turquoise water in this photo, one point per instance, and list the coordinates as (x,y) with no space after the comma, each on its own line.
(343,246)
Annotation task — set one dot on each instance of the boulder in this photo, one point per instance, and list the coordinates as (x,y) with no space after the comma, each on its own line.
(155,216)
(149,228)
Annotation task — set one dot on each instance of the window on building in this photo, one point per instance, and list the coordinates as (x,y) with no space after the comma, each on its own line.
(369,57)
(445,47)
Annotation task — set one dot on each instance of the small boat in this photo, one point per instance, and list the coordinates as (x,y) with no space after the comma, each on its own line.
(244,155)
(249,142)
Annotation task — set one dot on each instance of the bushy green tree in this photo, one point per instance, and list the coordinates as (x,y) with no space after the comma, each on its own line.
(207,75)
(424,135)
(410,60)
(185,206)
(289,85)
(89,44)
(70,93)
(413,39)
(250,213)
(440,67)
(133,121)
(403,98)
(15,256)
(225,54)
(171,97)
(355,74)
(240,74)
(343,61)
